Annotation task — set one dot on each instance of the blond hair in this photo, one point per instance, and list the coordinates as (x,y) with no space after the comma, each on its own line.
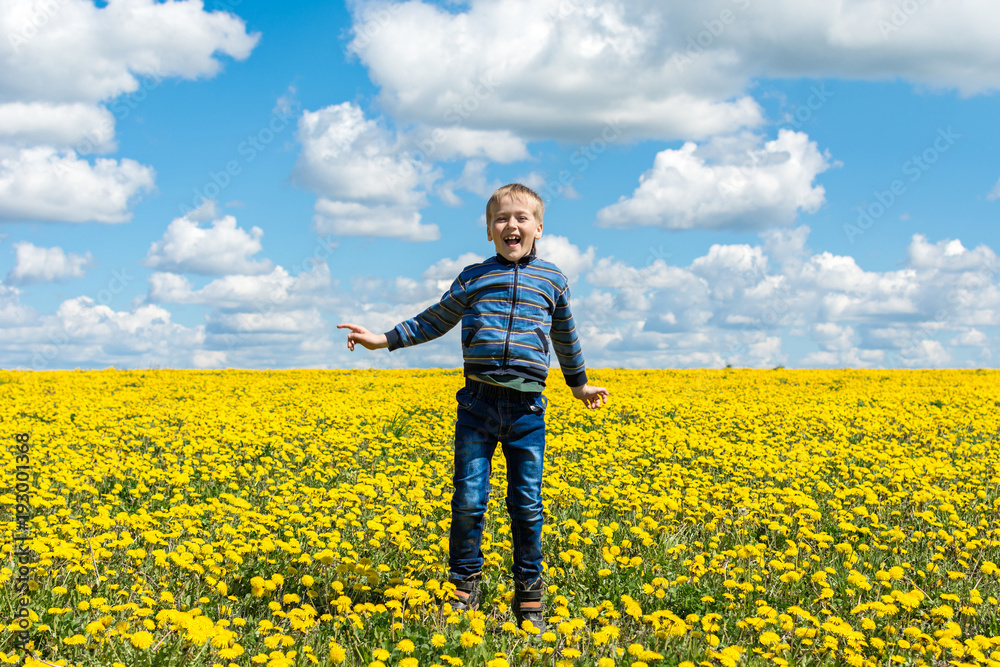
(519,192)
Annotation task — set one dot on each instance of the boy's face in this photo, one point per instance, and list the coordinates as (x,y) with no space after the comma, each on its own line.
(514,228)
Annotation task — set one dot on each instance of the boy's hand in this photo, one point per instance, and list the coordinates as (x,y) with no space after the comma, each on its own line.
(592,397)
(367,339)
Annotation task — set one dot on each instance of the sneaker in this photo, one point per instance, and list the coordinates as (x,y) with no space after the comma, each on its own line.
(528,603)
(466,592)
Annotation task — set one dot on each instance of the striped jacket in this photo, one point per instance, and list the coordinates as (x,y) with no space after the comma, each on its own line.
(508,313)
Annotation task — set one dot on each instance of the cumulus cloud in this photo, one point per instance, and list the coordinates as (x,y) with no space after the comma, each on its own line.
(558,76)
(346,156)
(221,249)
(42,265)
(358,219)
(369,184)
(473,179)
(44,184)
(12,312)
(689,64)
(768,304)
(62,64)
(448,268)
(462,142)
(61,125)
(566,255)
(762,305)
(277,290)
(730,182)
(86,334)
(948,255)
(73,50)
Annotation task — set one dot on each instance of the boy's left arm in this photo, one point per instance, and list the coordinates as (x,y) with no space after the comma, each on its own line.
(592,397)
(566,345)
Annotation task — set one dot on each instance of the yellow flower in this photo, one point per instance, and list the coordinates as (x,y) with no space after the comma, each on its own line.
(405,645)
(438,640)
(142,640)
(337,653)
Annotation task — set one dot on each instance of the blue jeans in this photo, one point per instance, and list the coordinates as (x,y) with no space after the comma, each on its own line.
(488,414)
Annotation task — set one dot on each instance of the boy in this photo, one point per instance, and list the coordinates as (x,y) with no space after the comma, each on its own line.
(507,306)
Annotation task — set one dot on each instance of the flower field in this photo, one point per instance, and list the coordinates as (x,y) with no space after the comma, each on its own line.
(711,517)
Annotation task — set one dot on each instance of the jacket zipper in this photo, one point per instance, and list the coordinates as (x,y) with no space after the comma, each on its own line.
(510,323)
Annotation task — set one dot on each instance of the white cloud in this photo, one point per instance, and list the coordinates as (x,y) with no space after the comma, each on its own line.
(970,338)
(752,305)
(43,184)
(357,219)
(444,143)
(369,184)
(72,50)
(444,272)
(268,292)
(730,182)
(12,311)
(472,179)
(737,304)
(664,70)
(559,76)
(85,334)
(566,255)
(289,322)
(221,249)
(949,255)
(62,64)
(84,126)
(350,158)
(41,265)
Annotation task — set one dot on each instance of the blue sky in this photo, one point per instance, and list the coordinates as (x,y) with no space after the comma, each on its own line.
(727,182)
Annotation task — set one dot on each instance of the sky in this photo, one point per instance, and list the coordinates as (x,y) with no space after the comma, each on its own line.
(753,183)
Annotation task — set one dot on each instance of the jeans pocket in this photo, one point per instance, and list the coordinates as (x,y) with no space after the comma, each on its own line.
(465,398)
(539,404)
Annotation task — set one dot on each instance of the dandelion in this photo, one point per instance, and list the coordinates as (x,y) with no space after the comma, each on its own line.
(337,653)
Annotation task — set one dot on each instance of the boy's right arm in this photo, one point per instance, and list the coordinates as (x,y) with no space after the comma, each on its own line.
(435,321)
(367,339)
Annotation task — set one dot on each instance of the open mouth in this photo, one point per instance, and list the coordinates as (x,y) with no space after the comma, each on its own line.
(512,241)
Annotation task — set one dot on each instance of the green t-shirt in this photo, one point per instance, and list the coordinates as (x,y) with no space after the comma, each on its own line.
(511,382)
